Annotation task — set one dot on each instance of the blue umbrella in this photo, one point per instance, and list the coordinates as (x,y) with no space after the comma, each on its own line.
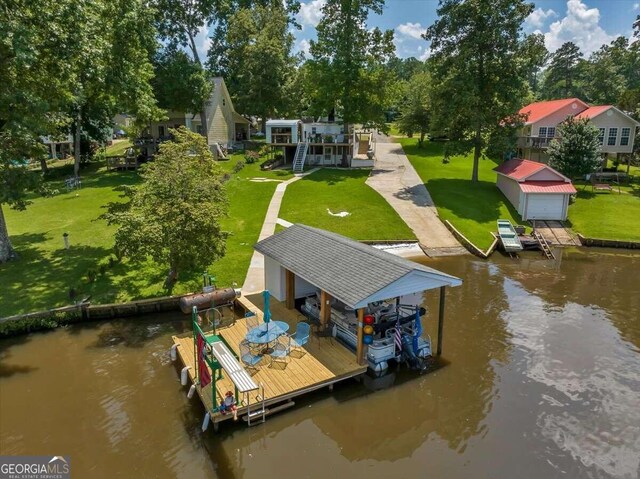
(267,312)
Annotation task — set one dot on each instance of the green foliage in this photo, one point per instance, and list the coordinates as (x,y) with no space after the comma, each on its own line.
(251,156)
(258,62)
(576,150)
(174,215)
(49,320)
(415,112)
(480,68)
(565,75)
(238,166)
(348,66)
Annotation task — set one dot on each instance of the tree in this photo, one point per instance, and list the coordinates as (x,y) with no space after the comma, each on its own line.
(479,70)
(261,65)
(415,112)
(537,54)
(348,62)
(565,73)
(179,22)
(174,215)
(576,150)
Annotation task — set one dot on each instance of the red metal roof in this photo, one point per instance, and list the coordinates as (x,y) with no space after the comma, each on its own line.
(537,111)
(547,187)
(519,169)
(593,111)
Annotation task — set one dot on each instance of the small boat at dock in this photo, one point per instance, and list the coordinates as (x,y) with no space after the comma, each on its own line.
(509,237)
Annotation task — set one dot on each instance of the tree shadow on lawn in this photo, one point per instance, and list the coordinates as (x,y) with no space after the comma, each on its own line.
(480,201)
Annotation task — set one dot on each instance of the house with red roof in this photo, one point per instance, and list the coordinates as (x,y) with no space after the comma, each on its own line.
(617,129)
(537,191)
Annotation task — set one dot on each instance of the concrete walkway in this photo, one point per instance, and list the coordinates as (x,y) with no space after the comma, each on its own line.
(398,183)
(254,282)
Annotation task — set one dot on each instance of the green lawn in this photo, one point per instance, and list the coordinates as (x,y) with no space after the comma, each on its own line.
(607,215)
(118,147)
(45,272)
(472,208)
(371,217)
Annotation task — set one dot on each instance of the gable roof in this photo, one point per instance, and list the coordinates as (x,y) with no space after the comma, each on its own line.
(547,187)
(520,170)
(539,110)
(598,110)
(354,273)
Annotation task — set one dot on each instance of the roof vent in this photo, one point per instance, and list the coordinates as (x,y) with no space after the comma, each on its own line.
(574,106)
(610,112)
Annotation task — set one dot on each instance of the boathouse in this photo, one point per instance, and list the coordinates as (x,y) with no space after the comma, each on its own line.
(351,281)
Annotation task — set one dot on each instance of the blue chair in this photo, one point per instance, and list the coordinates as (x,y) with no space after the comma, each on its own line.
(301,336)
(280,351)
(248,358)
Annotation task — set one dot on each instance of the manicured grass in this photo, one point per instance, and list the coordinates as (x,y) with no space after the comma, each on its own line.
(45,272)
(118,147)
(371,217)
(473,208)
(607,215)
(252,170)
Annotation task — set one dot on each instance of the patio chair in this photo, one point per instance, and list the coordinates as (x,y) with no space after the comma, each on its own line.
(251,320)
(301,336)
(280,351)
(248,357)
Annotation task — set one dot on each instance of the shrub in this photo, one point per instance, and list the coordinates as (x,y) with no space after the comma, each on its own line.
(251,157)
(238,166)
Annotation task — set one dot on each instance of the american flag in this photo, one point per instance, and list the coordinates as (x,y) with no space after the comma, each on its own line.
(398,336)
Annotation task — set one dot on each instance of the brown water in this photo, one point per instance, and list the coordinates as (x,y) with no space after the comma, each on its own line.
(543,381)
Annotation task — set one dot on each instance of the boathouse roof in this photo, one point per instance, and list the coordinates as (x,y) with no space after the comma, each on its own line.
(354,273)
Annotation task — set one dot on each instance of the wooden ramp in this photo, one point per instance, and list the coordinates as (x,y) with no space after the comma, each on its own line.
(322,362)
(555,233)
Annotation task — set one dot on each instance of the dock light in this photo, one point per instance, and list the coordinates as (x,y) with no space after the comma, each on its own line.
(65,237)
(367,337)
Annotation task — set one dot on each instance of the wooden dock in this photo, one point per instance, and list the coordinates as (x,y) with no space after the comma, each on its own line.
(322,362)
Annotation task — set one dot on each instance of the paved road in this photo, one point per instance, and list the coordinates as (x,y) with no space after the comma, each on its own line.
(398,182)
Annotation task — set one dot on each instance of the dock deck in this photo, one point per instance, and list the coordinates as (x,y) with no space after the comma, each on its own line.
(323,362)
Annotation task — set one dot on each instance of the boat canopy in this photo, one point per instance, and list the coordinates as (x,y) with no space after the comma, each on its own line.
(354,273)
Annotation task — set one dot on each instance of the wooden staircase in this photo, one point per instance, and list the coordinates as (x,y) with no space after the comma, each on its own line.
(300,156)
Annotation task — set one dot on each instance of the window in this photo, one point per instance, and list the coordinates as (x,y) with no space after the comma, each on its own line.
(613,137)
(624,137)
(542,131)
(601,136)
(551,132)
(224,102)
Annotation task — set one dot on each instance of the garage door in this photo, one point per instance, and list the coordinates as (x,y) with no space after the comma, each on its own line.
(545,207)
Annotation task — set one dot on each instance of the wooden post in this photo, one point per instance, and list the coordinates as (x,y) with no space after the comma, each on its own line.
(441,319)
(359,345)
(325,309)
(290,286)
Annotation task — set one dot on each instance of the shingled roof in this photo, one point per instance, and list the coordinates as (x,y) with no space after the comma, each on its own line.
(352,272)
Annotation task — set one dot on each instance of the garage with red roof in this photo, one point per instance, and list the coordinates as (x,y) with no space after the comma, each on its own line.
(537,191)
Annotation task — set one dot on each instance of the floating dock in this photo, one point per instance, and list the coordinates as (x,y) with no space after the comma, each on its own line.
(322,362)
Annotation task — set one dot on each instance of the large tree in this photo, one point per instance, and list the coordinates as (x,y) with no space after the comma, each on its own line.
(415,110)
(575,151)
(480,68)
(348,62)
(174,215)
(260,66)
(564,78)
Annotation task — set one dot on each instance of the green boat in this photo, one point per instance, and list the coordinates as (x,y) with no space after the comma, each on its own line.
(508,236)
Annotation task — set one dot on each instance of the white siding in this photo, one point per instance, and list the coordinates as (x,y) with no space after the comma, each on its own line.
(546,175)
(304,288)
(613,119)
(510,189)
(546,207)
(274,278)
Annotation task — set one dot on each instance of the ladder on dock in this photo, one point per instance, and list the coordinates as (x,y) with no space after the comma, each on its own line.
(300,156)
(253,418)
(544,246)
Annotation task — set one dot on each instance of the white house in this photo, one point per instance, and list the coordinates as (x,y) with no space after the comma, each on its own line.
(537,191)
(322,143)
(617,129)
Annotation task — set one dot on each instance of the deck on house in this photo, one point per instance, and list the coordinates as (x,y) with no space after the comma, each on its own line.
(323,362)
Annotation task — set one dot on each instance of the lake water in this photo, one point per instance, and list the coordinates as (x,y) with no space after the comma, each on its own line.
(541,380)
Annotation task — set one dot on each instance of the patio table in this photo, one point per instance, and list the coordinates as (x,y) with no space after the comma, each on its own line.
(267,332)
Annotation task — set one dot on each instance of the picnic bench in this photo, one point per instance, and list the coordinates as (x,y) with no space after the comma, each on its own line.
(604,181)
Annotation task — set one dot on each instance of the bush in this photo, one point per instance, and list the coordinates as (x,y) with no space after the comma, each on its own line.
(238,166)
(251,157)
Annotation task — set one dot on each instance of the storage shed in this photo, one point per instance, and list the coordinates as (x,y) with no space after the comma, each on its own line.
(536,190)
